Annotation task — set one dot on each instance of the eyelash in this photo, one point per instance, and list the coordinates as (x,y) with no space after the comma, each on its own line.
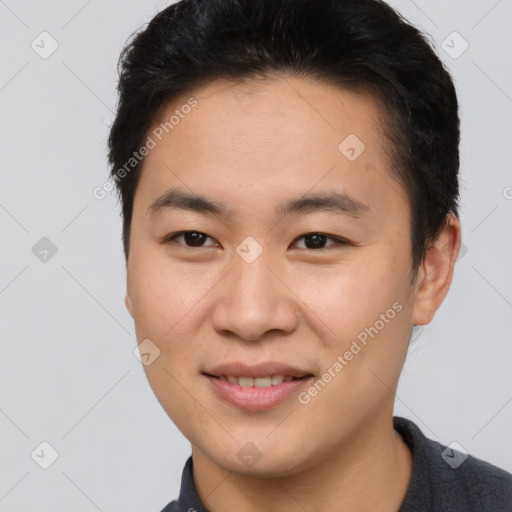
(338,241)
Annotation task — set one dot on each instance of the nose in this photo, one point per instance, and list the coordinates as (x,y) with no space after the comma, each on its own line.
(254,299)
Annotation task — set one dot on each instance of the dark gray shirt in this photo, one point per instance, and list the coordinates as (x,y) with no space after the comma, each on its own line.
(443,480)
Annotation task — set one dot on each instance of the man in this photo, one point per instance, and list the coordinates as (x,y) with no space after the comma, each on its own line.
(288,172)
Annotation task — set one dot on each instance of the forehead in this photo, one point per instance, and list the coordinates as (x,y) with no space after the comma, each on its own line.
(278,108)
(272,138)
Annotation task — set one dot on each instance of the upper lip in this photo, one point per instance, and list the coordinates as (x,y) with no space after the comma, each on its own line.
(258,370)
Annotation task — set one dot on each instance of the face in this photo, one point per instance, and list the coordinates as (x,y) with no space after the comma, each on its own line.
(295,263)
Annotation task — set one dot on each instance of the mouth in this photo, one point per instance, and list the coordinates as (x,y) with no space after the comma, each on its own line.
(257,382)
(256,388)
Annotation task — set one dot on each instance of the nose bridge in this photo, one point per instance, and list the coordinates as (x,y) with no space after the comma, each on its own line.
(251,275)
(252,290)
(253,280)
(251,299)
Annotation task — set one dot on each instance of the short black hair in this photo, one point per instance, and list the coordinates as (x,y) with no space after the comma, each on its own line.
(362,45)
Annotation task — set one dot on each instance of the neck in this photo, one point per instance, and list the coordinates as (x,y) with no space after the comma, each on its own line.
(371,471)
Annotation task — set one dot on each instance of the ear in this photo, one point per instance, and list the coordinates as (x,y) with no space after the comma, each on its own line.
(128,303)
(436,272)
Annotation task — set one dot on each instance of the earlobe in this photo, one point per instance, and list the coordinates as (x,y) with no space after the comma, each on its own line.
(128,303)
(436,272)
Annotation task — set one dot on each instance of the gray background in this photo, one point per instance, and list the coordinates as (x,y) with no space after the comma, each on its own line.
(68,373)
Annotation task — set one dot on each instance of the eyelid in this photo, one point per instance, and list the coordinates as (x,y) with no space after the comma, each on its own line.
(338,241)
(170,238)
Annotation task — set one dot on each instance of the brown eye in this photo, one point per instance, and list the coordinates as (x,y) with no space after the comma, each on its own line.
(315,241)
(190,238)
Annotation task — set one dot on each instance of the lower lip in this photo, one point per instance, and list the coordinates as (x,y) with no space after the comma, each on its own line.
(253,398)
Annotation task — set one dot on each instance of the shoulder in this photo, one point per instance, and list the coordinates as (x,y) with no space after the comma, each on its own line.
(171,507)
(449,479)
(470,480)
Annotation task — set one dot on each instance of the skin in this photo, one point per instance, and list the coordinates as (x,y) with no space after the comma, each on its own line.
(252,146)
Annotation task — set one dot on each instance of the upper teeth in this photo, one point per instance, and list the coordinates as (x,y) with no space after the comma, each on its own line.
(258,382)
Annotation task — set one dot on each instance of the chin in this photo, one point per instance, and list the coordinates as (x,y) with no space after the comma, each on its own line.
(268,458)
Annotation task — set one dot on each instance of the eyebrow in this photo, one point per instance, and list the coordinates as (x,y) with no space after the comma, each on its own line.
(334,202)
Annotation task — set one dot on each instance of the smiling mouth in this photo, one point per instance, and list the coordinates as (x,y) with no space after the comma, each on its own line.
(258,382)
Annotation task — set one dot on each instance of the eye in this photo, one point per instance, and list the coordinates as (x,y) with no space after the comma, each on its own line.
(190,238)
(312,241)
(315,241)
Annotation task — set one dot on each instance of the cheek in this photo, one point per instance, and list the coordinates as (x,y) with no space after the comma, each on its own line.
(366,310)
(164,296)
(347,297)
